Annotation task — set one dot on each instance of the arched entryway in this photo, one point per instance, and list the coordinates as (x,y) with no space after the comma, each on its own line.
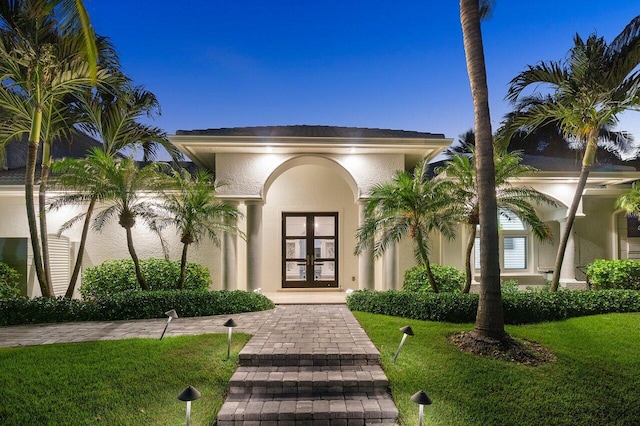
(310,218)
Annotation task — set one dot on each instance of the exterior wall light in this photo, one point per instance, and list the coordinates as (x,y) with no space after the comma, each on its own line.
(406,331)
(230,323)
(172,314)
(421,399)
(188,395)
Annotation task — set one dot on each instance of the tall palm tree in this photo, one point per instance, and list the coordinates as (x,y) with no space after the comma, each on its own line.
(511,200)
(120,187)
(190,205)
(47,52)
(411,204)
(490,316)
(596,83)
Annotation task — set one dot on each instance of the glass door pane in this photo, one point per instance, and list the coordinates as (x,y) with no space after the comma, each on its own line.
(309,250)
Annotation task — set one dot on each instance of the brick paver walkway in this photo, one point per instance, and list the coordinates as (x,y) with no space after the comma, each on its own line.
(309,365)
(42,334)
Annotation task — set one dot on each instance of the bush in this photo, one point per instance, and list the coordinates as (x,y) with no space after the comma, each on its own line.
(448,279)
(9,281)
(509,286)
(114,276)
(131,305)
(614,274)
(519,308)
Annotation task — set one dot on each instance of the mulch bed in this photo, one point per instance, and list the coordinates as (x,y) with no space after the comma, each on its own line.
(519,351)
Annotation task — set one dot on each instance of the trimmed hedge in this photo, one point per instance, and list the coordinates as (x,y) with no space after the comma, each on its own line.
(131,305)
(448,279)
(519,308)
(114,276)
(614,274)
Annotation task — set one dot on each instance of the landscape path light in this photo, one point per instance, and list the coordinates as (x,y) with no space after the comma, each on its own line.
(172,314)
(421,399)
(230,323)
(188,395)
(406,331)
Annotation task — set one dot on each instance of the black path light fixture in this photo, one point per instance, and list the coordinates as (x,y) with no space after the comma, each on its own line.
(188,395)
(230,323)
(406,331)
(421,399)
(172,314)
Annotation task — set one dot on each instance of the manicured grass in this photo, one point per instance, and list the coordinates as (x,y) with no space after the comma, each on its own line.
(124,382)
(594,381)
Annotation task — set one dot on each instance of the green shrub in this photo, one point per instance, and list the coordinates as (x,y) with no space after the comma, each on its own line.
(9,281)
(448,279)
(114,276)
(509,286)
(131,305)
(612,274)
(519,307)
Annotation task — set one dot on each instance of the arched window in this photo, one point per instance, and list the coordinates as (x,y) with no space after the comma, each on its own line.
(513,243)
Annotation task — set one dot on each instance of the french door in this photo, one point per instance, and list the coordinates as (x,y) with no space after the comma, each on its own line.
(309,250)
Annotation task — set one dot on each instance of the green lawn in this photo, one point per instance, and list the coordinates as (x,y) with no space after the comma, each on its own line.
(124,382)
(594,381)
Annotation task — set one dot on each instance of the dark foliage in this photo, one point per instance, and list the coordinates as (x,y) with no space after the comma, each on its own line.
(130,305)
(519,308)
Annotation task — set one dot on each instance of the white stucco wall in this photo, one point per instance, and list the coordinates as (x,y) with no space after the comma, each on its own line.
(245,175)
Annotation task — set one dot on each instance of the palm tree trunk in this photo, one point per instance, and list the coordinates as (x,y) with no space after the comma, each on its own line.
(183,266)
(42,210)
(83,240)
(571,216)
(432,281)
(424,257)
(490,317)
(136,261)
(467,261)
(587,161)
(32,157)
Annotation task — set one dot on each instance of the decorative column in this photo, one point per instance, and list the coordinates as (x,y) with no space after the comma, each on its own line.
(254,244)
(230,255)
(366,264)
(391,267)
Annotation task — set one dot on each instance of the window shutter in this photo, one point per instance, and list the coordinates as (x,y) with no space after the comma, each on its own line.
(59,257)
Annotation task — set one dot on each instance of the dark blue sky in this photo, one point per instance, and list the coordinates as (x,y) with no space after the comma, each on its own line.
(395,64)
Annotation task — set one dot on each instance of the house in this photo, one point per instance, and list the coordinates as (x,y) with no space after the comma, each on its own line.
(302,191)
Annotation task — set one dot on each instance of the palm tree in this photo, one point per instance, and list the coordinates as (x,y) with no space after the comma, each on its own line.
(511,200)
(490,318)
(47,52)
(120,187)
(411,204)
(630,201)
(190,205)
(590,89)
(114,120)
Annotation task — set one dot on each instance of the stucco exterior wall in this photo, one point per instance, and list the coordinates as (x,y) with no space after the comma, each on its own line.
(245,175)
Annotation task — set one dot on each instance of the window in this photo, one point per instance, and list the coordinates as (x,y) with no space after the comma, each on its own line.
(513,243)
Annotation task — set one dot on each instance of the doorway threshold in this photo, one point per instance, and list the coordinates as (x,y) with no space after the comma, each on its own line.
(306,296)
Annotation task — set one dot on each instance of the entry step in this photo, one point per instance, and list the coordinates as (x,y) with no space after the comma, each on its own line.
(349,410)
(308,380)
(317,357)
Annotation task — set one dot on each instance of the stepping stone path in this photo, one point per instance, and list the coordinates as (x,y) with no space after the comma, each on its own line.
(309,365)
